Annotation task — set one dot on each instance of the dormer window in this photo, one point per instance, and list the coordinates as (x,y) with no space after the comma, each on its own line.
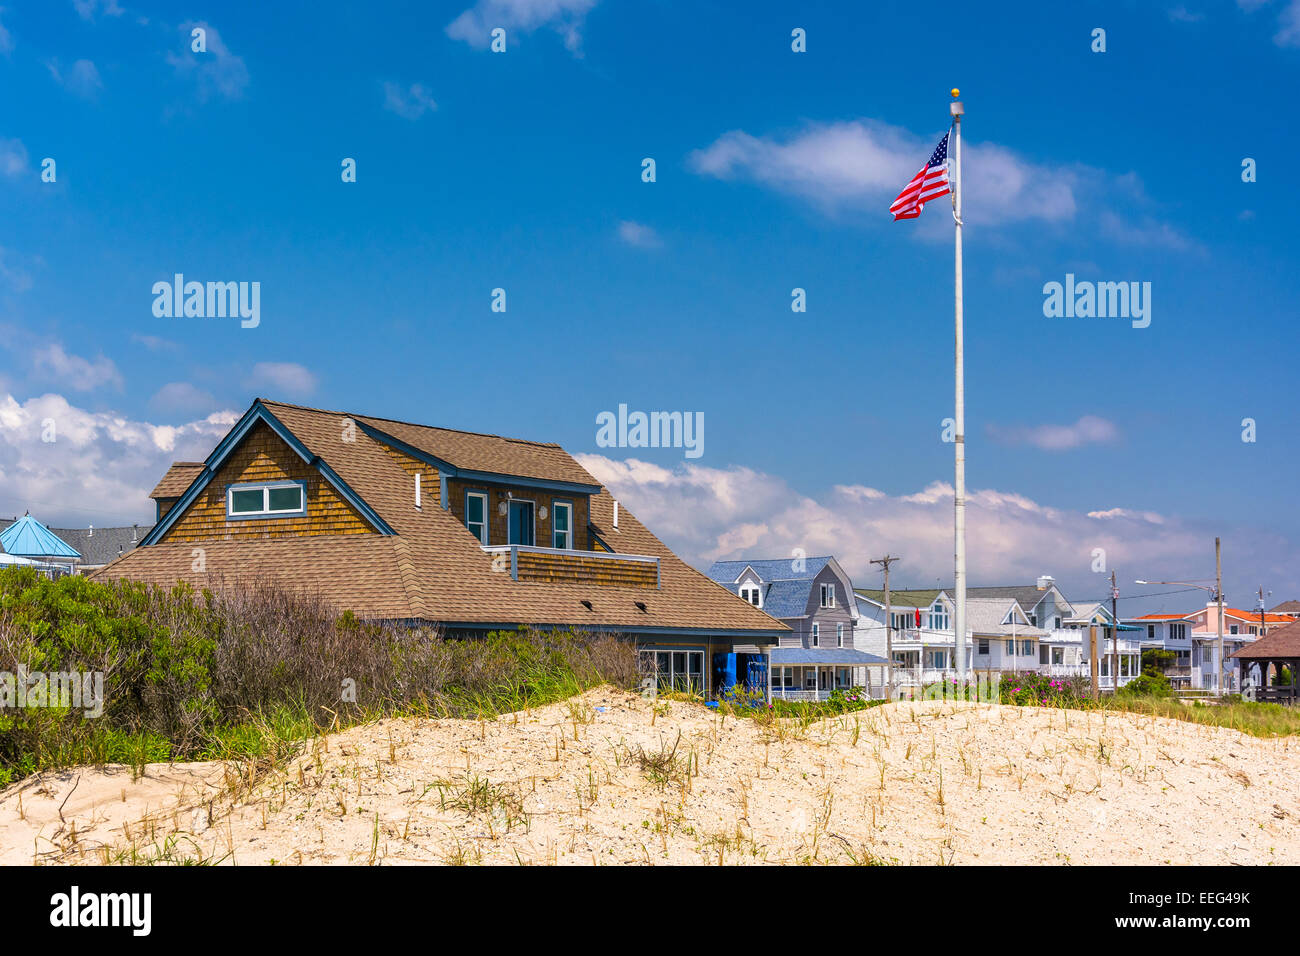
(939,616)
(275,499)
(752,593)
(828,595)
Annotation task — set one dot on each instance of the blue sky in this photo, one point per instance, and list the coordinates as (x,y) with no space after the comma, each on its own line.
(522,170)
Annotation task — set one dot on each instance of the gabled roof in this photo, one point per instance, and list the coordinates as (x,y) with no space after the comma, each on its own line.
(177,479)
(423,564)
(1287,607)
(1281,643)
(99,546)
(783,599)
(480,454)
(984,615)
(902,597)
(1027,595)
(770,569)
(28,538)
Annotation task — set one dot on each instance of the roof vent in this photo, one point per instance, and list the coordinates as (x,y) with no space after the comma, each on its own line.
(587,605)
(91,532)
(1045,581)
(641,605)
(615,514)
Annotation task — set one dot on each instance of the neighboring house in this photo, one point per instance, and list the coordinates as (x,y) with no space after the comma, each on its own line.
(1194,636)
(416,524)
(1009,629)
(26,542)
(1173,633)
(99,546)
(813,597)
(1290,609)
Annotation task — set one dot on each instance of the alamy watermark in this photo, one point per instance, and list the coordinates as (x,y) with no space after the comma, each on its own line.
(62,690)
(211,300)
(1102,300)
(651,430)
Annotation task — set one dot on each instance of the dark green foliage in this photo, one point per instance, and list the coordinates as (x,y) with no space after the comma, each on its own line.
(192,674)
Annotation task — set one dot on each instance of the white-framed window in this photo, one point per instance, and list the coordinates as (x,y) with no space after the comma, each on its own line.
(1033,619)
(272,499)
(982,647)
(752,593)
(1027,648)
(939,617)
(681,671)
(810,678)
(476,512)
(839,635)
(816,635)
(1178,632)
(843,677)
(783,677)
(1011,648)
(1151,632)
(1057,619)
(1232,628)
(561,525)
(828,595)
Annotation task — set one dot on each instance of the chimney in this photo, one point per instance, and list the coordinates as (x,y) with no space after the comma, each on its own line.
(417,491)
(615,514)
(1045,581)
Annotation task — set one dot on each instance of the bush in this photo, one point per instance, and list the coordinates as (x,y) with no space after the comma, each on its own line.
(186,672)
(1040,690)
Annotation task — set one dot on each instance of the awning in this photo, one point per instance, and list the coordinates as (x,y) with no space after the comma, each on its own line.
(843,656)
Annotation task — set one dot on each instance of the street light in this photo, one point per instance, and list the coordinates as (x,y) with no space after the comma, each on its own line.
(1217,591)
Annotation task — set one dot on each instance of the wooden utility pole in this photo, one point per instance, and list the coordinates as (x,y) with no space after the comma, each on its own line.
(1114,633)
(1092,660)
(885,562)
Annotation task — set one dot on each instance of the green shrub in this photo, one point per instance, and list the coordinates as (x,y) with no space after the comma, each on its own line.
(209,673)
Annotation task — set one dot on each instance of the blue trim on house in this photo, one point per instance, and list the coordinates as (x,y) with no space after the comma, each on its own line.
(265,515)
(447,470)
(259,413)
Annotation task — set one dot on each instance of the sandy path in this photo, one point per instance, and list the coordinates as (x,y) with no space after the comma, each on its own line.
(921,783)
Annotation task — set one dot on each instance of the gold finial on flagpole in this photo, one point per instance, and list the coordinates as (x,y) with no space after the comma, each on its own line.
(955,92)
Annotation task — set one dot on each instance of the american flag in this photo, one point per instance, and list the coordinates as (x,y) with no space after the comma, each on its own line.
(930,183)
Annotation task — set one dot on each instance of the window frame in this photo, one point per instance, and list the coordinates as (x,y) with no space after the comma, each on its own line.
(265,487)
(567,505)
(828,595)
(483,496)
(839,635)
(816,634)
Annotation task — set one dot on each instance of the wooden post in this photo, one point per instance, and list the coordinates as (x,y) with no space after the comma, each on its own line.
(1092,660)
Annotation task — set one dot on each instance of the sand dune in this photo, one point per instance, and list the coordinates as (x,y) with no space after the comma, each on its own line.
(610,778)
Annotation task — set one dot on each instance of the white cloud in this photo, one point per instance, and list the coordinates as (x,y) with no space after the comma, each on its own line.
(707,514)
(215,72)
(1088,430)
(1288,25)
(287,377)
(410,103)
(566,17)
(864,164)
(100,466)
(88,9)
(181,398)
(73,371)
(13,157)
(81,80)
(639,235)
(6,39)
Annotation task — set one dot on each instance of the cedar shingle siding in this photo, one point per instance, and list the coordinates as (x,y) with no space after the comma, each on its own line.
(263,456)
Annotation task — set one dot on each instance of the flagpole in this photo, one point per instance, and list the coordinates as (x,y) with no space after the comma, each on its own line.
(959,418)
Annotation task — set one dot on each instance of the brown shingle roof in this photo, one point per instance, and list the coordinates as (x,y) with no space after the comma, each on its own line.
(432,568)
(1280,643)
(178,478)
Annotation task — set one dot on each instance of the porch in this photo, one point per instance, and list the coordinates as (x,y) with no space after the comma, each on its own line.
(813,674)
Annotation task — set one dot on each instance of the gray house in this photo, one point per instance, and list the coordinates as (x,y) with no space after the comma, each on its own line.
(814,598)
